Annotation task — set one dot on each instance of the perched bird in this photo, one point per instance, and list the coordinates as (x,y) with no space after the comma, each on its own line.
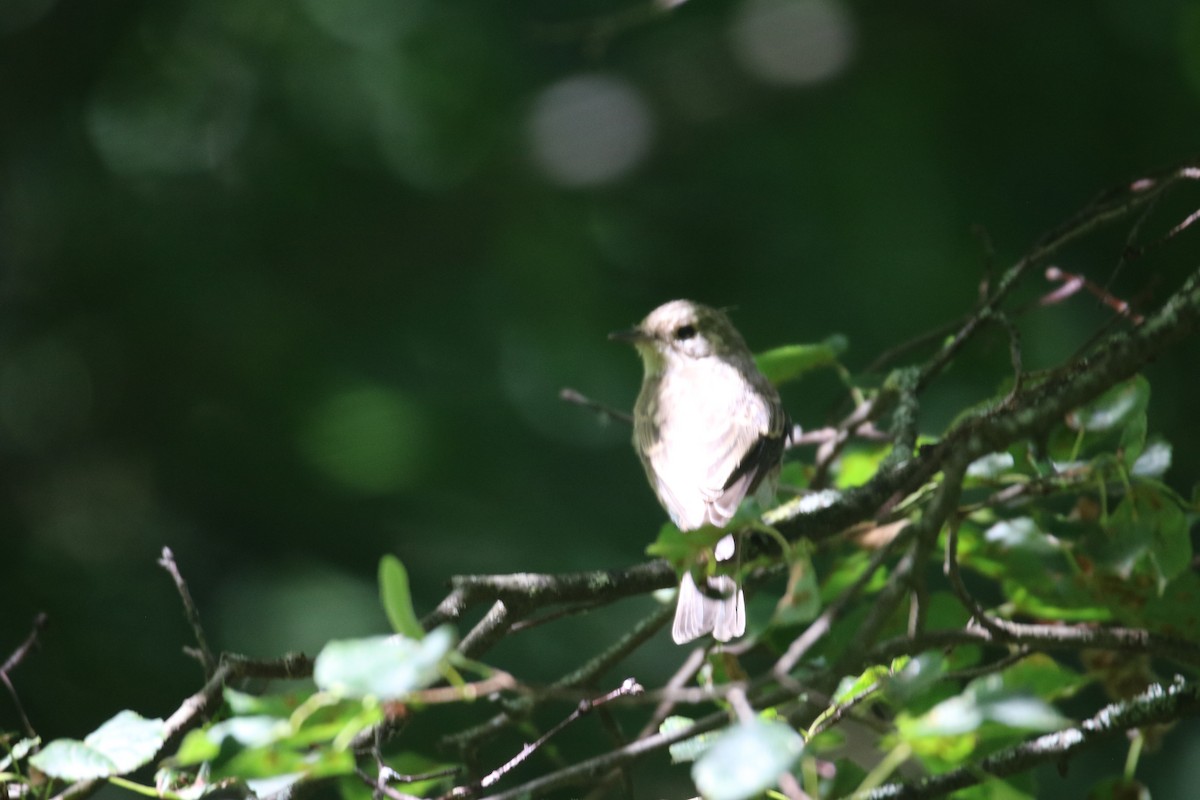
(709,429)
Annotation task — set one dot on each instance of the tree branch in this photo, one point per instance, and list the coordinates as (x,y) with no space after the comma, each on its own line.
(1156,705)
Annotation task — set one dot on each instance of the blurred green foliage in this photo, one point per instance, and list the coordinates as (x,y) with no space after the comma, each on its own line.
(290,285)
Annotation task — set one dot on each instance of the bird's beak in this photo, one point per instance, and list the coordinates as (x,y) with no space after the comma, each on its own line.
(630,336)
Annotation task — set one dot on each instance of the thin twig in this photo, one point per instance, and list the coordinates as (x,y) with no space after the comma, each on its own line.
(1158,704)
(628,688)
(167,562)
(607,412)
(579,677)
(196,708)
(817,629)
(14,659)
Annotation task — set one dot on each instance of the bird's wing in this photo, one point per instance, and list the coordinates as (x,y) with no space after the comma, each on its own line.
(711,451)
(759,438)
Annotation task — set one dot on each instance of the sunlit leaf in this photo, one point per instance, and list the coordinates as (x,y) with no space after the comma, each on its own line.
(1113,409)
(72,760)
(121,745)
(1042,676)
(396,596)
(17,751)
(284,762)
(249,731)
(683,548)
(1154,460)
(853,685)
(858,465)
(385,667)
(1034,567)
(196,748)
(1099,428)
(787,363)
(991,466)
(244,704)
(915,677)
(746,759)
(985,700)
(691,748)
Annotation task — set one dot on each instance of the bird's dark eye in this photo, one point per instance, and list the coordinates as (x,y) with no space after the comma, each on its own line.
(685,332)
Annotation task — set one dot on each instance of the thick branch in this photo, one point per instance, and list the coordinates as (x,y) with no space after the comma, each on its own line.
(1154,706)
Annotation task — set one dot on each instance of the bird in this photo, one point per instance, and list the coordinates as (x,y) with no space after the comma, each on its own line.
(709,429)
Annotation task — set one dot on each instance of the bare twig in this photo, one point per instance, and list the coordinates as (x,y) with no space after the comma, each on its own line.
(607,412)
(1158,704)
(1041,637)
(584,675)
(592,768)
(14,660)
(492,628)
(817,629)
(167,562)
(1072,283)
(628,688)
(196,708)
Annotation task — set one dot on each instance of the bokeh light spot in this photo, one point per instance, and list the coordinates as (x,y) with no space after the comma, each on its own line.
(1188,32)
(17,15)
(369,439)
(364,23)
(45,393)
(590,129)
(307,605)
(794,42)
(98,509)
(183,112)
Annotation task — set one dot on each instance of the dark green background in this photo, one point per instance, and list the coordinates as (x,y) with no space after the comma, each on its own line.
(286,288)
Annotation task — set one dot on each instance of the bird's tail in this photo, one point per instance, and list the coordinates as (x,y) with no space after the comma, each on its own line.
(720,609)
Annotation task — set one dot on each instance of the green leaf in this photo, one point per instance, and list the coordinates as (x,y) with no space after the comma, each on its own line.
(1034,567)
(277,761)
(789,362)
(1044,677)
(1133,440)
(1101,425)
(746,760)
(1175,613)
(1146,535)
(858,465)
(992,466)
(396,597)
(1114,409)
(688,749)
(385,667)
(18,751)
(196,748)
(801,601)
(914,678)
(72,760)
(243,704)
(1119,788)
(250,731)
(1154,461)
(681,548)
(985,700)
(121,745)
(853,685)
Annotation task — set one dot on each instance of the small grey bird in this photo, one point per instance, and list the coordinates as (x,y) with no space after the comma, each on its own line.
(709,429)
